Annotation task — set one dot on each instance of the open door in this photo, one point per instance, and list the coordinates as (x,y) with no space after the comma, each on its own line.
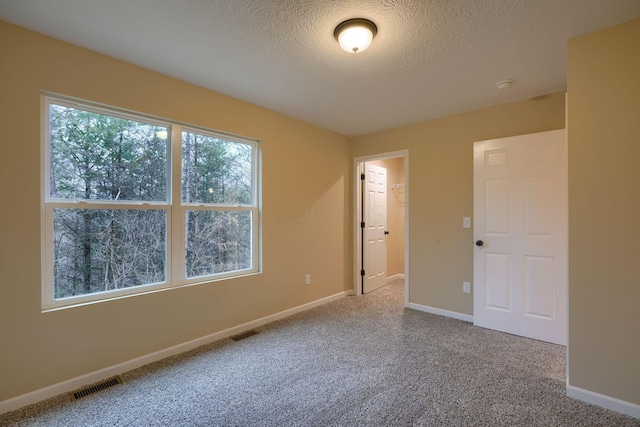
(374,227)
(520,255)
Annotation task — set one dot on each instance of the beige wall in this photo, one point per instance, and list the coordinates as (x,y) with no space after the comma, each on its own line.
(306,187)
(307,227)
(604,206)
(441,189)
(395,215)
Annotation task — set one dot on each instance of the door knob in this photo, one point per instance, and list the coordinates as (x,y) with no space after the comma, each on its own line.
(479,243)
(386,232)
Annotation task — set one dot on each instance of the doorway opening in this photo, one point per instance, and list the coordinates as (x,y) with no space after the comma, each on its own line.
(382,224)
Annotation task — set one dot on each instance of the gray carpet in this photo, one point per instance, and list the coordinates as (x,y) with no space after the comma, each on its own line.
(359,361)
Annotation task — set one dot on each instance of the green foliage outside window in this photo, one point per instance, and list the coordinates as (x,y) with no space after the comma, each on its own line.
(118,171)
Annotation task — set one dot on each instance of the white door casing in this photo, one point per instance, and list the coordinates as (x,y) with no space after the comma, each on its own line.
(520,209)
(375,221)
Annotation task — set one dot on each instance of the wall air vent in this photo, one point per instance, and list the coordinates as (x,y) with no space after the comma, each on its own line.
(90,389)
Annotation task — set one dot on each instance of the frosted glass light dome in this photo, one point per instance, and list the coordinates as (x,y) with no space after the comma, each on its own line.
(355,35)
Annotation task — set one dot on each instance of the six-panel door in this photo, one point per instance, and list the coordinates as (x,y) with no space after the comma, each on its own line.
(520,208)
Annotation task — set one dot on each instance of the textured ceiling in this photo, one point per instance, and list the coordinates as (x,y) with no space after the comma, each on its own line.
(431,58)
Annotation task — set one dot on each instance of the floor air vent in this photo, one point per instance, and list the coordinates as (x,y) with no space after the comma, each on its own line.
(244,335)
(102,385)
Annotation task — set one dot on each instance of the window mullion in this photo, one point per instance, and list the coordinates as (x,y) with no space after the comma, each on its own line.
(256,223)
(46,220)
(256,242)
(177,242)
(48,260)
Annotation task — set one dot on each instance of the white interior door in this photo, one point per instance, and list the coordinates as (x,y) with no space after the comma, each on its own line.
(520,257)
(375,228)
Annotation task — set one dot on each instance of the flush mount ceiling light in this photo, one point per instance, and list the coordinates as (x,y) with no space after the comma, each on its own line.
(355,35)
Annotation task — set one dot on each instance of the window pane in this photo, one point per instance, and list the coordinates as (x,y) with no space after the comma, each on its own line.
(98,250)
(98,157)
(215,170)
(217,242)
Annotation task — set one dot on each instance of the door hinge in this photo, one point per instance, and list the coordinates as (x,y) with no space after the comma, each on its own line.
(362,176)
(362,224)
(362,272)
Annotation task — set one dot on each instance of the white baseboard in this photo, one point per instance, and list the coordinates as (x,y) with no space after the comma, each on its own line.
(395,276)
(90,378)
(441,312)
(604,401)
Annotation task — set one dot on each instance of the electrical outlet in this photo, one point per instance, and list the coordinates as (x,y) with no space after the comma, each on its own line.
(307,279)
(466,222)
(466,287)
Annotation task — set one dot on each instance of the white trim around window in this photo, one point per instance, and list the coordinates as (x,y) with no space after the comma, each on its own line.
(116,228)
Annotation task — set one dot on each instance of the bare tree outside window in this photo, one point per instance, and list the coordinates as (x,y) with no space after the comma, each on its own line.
(216,175)
(109,199)
(94,156)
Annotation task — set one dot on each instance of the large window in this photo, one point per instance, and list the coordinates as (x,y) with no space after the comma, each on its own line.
(133,203)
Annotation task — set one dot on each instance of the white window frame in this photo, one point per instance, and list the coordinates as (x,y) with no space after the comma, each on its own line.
(175,264)
(179,216)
